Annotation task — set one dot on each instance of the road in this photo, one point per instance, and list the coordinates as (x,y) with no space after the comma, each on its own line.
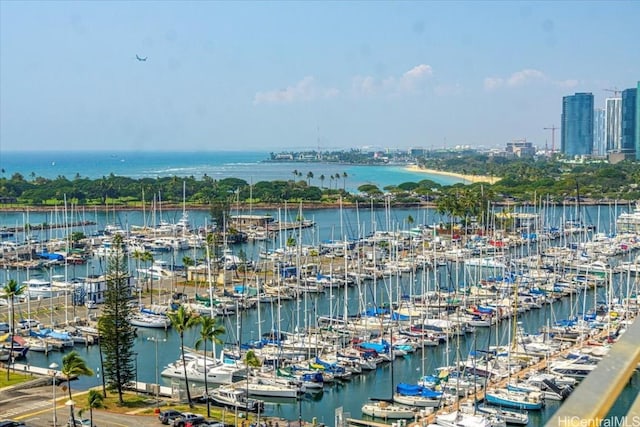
(34,407)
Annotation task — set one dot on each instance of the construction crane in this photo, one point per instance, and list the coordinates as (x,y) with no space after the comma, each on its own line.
(553,130)
(616,93)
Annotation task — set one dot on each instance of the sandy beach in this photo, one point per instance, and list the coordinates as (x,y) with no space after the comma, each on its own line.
(470,178)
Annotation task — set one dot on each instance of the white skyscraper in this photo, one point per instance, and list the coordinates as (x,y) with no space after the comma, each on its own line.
(613,124)
(599,145)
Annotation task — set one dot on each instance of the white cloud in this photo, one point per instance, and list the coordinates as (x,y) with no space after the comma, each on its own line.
(308,89)
(364,85)
(519,78)
(304,90)
(491,83)
(417,72)
(522,77)
(409,81)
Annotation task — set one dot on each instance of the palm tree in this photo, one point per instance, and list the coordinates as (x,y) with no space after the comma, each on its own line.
(73,366)
(344,180)
(309,177)
(210,328)
(188,262)
(95,401)
(181,321)
(322,181)
(11,290)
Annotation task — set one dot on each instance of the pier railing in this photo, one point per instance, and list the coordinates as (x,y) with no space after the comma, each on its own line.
(590,403)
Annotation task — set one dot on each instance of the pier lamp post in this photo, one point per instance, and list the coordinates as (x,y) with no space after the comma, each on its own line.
(155,340)
(70,403)
(53,368)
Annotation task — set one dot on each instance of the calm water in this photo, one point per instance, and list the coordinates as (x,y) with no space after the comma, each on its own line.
(249,166)
(332,224)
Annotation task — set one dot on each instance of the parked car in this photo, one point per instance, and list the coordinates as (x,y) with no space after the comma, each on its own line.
(4,327)
(167,416)
(11,423)
(79,422)
(188,419)
(91,305)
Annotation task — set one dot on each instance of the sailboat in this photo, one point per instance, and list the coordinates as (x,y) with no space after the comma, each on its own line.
(386,408)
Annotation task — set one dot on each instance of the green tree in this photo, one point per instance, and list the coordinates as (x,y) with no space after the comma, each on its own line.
(11,291)
(74,366)
(210,328)
(95,400)
(251,360)
(117,335)
(181,321)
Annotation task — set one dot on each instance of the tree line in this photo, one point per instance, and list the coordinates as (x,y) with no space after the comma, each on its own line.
(521,181)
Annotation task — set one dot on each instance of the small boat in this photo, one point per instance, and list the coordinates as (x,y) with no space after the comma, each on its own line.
(216,372)
(261,386)
(416,395)
(458,418)
(530,401)
(510,417)
(145,320)
(388,411)
(235,397)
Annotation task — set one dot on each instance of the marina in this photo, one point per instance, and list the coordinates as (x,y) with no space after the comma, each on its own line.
(440,314)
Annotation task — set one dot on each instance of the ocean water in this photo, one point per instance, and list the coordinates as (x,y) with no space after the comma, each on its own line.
(248,165)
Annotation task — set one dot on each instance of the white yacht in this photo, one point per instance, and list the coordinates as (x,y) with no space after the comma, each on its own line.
(235,397)
(38,288)
(215,371)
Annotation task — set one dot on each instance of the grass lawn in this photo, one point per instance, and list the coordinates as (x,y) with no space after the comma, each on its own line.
(14,378)
(146,405)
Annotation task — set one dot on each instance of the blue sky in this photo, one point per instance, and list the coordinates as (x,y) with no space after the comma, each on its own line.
(297,75)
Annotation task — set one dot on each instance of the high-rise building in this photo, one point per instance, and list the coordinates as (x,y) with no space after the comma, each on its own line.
(628,121)
(599,146)
(613,107)
(577,125)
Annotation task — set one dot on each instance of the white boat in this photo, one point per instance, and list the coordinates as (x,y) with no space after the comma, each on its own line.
(38,288)
(510,417)
(38,344)
(215,371)
(260,386)
(145,320)
(485,262)
(388,411)
(419,396)
(158,270)
(461,419)
(235,397)
(629,222)
(571,369)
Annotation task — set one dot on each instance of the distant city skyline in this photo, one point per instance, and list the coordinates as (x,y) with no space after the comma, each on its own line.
(279,76)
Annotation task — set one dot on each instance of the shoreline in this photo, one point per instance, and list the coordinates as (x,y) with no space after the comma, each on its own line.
(470,178)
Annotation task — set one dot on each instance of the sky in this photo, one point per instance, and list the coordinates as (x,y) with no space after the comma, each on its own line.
(329,75)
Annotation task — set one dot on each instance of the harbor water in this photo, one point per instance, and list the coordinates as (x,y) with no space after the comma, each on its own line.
(330,224)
